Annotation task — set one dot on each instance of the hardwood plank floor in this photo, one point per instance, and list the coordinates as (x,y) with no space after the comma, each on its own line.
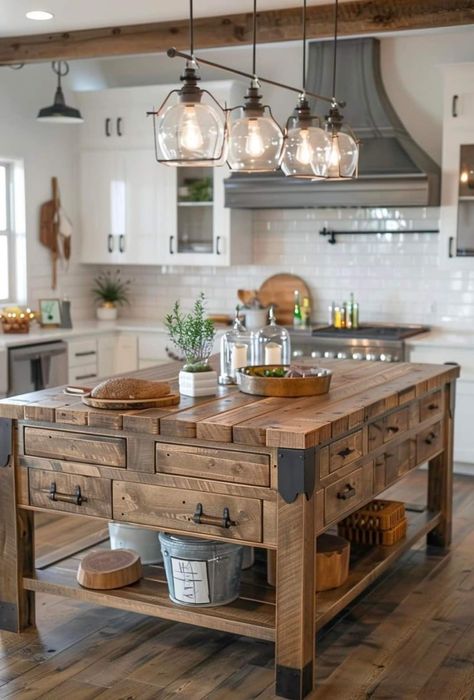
(410,636)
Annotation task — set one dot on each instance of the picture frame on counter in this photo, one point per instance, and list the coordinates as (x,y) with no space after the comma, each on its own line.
(50,313)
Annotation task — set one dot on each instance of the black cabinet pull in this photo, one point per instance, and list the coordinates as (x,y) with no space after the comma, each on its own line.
(122,243)
(85,353)
(454,106)
(218,245)
(345,452)
(392,429)
(433,407)
(119,127)
(171,245)
(347,492)
(450,247)
(86,376)
(107,127)
(110,243)
(200,518)
(76,497)
(430,438)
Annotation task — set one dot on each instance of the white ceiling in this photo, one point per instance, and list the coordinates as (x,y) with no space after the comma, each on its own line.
(83,14)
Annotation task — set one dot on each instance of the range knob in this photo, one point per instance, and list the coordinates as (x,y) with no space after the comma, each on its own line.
(342,355)
(385,357)
(358,356)
(316,354)
(297,353)
(371,356)
(329,354)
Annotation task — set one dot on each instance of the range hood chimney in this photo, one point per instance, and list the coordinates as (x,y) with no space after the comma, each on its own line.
(393,169)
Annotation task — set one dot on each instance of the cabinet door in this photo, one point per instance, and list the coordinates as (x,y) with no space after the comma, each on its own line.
(102,207)
(459,96)
(126,353)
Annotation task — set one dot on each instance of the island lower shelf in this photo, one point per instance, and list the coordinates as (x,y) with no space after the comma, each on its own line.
(253,613)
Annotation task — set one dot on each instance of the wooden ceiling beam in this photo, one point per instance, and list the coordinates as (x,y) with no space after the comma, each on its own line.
(355,18)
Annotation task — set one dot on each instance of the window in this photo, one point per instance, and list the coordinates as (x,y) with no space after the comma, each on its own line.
(7,234)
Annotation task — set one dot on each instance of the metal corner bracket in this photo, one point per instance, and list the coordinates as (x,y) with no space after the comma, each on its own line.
(5,441)
(296,472)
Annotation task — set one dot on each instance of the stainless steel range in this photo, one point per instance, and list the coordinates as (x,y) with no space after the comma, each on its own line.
(375,342)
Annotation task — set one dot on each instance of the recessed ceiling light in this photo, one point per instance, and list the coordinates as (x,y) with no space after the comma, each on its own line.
(39,15)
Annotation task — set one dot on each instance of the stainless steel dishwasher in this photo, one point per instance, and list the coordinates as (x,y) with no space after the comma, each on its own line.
(35,367)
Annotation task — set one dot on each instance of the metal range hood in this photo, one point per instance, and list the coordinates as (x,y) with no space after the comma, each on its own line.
(393,169)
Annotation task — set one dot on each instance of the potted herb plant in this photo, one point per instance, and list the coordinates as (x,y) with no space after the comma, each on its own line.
(111,292)
(193,335)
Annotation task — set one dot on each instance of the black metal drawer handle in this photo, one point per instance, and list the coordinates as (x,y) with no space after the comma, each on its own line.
(86,376)
(392,429)
(77,498)
(119,127)
(110,243)
(454,106)
(107,126)
(85,353)
(431,438)
(200,518)
(345,452)
(347,492)
(433,407)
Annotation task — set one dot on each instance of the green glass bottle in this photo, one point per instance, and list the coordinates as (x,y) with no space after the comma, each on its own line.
(297,313)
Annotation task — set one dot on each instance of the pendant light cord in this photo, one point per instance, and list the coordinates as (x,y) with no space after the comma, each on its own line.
(191,29)
(336,13)
(254,49)
(304,47)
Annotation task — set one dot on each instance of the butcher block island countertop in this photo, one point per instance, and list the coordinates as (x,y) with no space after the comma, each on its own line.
(285,470)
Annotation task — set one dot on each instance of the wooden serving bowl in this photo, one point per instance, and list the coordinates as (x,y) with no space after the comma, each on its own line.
(291,387)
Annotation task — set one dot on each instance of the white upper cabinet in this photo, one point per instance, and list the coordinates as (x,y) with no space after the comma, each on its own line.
(139,212)
(457,191)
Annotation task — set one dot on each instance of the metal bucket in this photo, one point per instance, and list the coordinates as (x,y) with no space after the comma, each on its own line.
(204,573)
(144,542)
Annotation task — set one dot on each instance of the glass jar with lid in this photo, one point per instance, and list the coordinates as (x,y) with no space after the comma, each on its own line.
(272,345)
(236,350)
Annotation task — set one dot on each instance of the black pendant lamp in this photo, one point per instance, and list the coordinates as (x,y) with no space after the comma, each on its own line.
(59,112)
(344,154)
(307,145)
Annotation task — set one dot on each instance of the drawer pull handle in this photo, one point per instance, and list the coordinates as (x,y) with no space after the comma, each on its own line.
(85,353)
(77,498)
(392,429)
(430,438)
(347,492)
(200,518)
(433,407)
(345,452)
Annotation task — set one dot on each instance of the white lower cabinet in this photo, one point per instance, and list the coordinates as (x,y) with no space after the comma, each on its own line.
(152,349)
(463,441)
(82,360)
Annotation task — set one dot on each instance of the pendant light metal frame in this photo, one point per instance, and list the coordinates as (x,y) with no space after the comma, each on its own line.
(190,93)
(59,112)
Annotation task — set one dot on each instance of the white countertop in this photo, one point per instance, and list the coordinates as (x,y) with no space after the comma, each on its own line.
(443,338)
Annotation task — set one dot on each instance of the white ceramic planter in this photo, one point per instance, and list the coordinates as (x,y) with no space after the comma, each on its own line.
(106,313)
(143,541)
(198,383)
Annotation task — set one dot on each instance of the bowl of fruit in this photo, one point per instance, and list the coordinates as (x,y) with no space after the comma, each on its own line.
(283,380)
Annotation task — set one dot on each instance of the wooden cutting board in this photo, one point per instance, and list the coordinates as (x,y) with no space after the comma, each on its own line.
(124,404)
(106,569)
(280,290)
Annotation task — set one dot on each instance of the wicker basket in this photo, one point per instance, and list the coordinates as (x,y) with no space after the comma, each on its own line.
(377,515)
(374,537)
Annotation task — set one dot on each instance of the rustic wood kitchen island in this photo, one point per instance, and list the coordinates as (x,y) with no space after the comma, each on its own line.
(266,472)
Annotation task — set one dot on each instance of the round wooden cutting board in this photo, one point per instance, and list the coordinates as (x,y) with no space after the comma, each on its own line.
(280,290)
(109,568)
(124,404)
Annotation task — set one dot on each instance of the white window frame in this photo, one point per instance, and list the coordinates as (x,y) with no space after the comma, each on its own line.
(9,232)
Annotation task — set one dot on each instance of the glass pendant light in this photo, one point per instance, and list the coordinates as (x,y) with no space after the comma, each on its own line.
(307,145)
(344,153)
(255,138)
(59,112)
(190,132)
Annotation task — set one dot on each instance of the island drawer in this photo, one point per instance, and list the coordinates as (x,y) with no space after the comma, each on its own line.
(346,493)
(345,451)
(70,493)
(429,442)
(431,405)
(195,512)
(75,447)
(395,462)
(383,430)
(221,465)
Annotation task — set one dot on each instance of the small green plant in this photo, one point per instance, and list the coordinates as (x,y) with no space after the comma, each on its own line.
(111,289)
(193,334)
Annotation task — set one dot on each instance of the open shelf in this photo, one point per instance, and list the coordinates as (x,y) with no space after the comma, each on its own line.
(253,613)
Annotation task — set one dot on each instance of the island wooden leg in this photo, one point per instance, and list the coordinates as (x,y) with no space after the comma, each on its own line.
(295,593)
(16,544)
(440,479)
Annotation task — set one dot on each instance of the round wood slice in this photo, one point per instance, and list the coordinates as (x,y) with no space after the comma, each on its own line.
(124,404)
(332,561)
(280,290)
(109,568)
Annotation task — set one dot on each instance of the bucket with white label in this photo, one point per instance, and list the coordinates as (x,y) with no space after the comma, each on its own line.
(201,572)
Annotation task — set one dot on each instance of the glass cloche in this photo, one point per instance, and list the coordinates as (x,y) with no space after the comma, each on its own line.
(272,345)
(236,350)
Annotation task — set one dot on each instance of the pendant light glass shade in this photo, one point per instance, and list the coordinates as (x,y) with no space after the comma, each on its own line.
(255,138)
(344,153)
(191,126)
(59,112)
(307,145)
